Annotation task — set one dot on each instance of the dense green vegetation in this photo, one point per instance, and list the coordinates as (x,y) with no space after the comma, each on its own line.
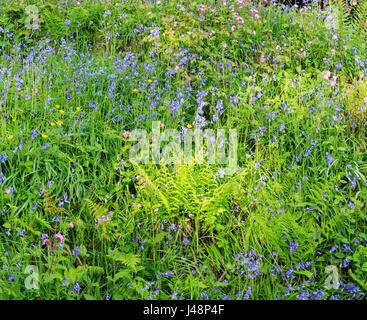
(76,78)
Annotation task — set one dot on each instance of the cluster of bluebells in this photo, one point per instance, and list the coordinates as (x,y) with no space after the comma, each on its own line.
(128,89)
(249,263)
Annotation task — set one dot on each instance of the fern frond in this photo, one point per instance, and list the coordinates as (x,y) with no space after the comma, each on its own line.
(49,204)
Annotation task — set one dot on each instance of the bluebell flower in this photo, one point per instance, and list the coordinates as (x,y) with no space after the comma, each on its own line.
(185,241)
(3,158)
(330,160)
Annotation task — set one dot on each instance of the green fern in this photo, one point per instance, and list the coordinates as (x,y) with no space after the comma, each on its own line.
(354,25)
(108,228)
(131,260)
(359,21)
(189,190)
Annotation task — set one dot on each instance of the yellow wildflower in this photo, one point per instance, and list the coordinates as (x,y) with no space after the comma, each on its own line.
(52,124)
(59,123)
(61,111)
(44,136)
(10,137)
(57,106)
(189,126)
(135,90)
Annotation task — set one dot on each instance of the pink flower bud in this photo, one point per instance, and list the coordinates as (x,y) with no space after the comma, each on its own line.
(59,237)
(126,134)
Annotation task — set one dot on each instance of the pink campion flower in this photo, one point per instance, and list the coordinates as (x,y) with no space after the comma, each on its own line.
(138,205)
(126,134)
(256,16)
(46,241)
(71,224)
(224,45)
(333,81)
(239,20)
(253,32)
(59,237)
(262,58)
(278,48)
(335,36)
(333,51)
(8,191)
(233,28)
(161,125)
(202,9)
(303,54)
(326,74)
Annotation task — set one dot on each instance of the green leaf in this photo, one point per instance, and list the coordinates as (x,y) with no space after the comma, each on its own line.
(129,259)
(82,250)
(307,273)
(122,274)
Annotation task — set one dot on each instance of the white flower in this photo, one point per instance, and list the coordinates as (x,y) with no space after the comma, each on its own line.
(221,173)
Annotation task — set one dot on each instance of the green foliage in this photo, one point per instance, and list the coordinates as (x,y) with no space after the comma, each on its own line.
(352,19)
(97,226)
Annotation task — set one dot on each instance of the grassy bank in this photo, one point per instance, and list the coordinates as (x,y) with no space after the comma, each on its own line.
(99,227)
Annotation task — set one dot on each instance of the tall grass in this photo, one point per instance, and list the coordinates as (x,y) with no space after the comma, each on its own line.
(99,227)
